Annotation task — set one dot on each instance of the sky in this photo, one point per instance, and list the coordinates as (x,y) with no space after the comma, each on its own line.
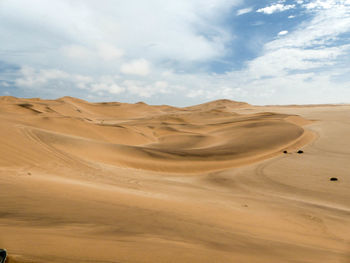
(180,53)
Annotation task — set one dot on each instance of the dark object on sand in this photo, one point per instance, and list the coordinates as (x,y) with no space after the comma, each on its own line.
(300,151)
(333,179)
(285,152)
(3,255)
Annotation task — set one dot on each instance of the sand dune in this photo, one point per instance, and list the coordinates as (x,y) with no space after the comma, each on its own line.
(118,182)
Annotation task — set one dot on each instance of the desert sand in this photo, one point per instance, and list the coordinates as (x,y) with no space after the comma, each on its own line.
(118,182)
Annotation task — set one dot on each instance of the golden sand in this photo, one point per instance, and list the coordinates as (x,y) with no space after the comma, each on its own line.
(117,182)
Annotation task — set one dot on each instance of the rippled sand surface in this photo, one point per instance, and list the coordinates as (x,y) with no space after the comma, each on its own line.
(116,182)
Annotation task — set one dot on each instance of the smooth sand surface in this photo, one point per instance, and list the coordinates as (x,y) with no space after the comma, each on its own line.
(116,182)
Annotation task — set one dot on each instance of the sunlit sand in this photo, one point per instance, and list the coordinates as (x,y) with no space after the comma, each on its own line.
(117,182)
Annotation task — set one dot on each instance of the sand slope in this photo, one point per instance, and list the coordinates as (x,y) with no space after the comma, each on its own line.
(116,182)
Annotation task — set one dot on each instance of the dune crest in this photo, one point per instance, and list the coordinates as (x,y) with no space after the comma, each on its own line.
(205,137)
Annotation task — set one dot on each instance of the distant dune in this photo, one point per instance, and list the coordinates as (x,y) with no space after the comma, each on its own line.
(119,182)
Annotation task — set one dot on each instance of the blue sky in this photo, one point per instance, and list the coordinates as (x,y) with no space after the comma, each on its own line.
(177,52)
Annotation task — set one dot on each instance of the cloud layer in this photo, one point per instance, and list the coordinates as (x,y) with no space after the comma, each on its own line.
(177,52)
(275,8)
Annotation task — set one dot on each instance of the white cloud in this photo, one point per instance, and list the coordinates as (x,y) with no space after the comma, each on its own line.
(196,93)
(301,67)
(106,84)
(305,48)
(304,62)
(92,36)
(112,88)
(275,8)
(76,52)
(31,78)
(321,4)
(40,79)
(161,85)
(98,40)
(244,11)
(104,51)
(282,33)
(145,90)
(109,52)
(325,4)
(111,84)
(323,29)
(139,67)
(277,62)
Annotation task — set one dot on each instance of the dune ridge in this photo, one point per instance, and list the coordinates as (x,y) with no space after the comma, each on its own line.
(204,137)
(120,182)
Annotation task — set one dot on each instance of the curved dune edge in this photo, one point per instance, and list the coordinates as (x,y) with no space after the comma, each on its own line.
(158,160)
(208,137)
(135,157)
(206,166)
